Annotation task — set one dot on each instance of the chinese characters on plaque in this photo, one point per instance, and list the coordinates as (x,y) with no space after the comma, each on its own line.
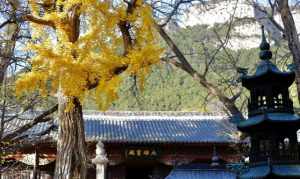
(141,153)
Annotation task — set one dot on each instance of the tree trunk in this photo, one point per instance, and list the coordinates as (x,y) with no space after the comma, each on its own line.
(71,159)
(291,34)
(3,66)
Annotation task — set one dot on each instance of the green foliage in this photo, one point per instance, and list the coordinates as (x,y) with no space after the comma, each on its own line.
(168,88)
(165,89)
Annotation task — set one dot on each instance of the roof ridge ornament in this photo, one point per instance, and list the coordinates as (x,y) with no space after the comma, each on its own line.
(215,160)
(265,53)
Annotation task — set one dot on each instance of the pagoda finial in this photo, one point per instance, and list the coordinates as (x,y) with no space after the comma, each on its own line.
(265,53)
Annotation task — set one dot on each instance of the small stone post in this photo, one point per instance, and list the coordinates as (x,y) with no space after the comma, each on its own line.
(215,161)
(100,160)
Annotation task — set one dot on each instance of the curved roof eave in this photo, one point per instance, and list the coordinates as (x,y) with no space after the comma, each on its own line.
(289,74)
(289,77)
(268,117)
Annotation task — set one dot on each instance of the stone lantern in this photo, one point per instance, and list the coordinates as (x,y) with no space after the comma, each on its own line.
(272,124)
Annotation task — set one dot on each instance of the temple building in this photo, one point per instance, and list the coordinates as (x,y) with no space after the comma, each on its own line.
(178,145)
(143,145)
(272,123)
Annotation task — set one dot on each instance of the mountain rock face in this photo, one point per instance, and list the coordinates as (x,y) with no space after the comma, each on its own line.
(247,19)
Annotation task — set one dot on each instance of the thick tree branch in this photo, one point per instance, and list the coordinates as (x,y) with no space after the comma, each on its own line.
(127,40)
(37,20)
(124,27)
(185,66)
(175,9)
(5,23)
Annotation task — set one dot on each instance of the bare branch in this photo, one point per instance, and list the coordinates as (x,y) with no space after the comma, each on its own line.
(40,118)
(185,66)
(236,96)
(5,23)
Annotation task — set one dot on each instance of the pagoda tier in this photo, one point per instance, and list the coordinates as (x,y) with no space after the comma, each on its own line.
(269,89)
(272,124)
(268,86)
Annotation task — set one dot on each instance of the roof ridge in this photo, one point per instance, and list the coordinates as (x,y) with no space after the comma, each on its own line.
(153,118)
(154,113)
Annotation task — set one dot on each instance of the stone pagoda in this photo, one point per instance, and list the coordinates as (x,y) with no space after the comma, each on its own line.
(272,124)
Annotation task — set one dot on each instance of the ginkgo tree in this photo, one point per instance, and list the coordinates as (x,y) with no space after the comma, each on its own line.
(83,46)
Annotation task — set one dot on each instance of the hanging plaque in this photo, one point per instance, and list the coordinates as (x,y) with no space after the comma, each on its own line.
(141,153)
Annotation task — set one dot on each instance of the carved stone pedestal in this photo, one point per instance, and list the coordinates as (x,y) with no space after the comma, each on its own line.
(100,161)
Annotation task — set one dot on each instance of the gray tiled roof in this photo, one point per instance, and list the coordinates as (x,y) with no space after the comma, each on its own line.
(16,123)
(256,172)
(284,170)
(159,128)
(127,127)
(200,174)
(287,170)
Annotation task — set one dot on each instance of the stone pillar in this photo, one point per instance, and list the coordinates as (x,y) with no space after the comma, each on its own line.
(100,160)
